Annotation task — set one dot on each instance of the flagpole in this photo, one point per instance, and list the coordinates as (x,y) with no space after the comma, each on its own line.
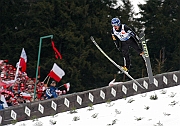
(60,86)
(48,80)
(45,78)
(17,70)
(40,44)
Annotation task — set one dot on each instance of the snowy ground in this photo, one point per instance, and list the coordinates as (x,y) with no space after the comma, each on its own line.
(156,108)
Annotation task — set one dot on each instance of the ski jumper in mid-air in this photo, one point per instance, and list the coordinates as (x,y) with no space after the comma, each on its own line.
(122,34)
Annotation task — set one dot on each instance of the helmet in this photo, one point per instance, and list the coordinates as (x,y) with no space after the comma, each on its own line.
(115,22)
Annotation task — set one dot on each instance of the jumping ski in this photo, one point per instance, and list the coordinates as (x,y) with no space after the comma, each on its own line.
(146,57)
(113,62)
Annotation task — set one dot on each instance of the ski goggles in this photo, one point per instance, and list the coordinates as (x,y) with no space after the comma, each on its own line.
(116,24)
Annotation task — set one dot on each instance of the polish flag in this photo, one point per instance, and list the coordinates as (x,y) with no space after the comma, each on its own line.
(25,95)
(56,73)
(6,84)
(67,86)
(23,60)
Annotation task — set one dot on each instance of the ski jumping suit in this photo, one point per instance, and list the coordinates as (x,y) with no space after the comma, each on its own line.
(128,38)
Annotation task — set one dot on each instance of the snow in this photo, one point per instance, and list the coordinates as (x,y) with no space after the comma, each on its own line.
(138,110)
(135,4)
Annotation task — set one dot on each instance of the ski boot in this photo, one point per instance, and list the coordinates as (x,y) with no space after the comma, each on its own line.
(124,68)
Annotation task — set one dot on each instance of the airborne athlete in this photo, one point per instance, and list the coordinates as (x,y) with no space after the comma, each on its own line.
(128,38)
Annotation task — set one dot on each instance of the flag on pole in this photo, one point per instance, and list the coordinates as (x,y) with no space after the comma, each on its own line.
(56,73)
(57,53)
(22,63)
(67,86)
(23,60)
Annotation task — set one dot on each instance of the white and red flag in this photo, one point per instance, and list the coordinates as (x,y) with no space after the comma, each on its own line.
(25,95)
(23,60)
(21,64)
(6,84)
(67,86)
(56,73)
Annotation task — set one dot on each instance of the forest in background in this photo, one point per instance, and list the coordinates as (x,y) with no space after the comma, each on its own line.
(23,22)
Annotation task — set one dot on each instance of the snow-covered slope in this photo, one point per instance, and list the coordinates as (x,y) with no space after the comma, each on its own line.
(155,108)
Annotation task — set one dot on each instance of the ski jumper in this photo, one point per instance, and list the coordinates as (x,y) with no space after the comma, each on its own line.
(128,38)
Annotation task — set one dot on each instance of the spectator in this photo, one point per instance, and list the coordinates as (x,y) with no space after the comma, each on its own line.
(22,89)
(39,90)
(1,105)
(51,91)
(9,101)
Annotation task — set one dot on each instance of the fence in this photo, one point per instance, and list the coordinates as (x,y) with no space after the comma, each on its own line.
(83,99)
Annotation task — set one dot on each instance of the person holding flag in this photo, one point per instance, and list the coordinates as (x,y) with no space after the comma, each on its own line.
(51,91)
(56,73)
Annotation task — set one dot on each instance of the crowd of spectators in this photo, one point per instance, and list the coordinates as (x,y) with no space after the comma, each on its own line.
(22,89)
